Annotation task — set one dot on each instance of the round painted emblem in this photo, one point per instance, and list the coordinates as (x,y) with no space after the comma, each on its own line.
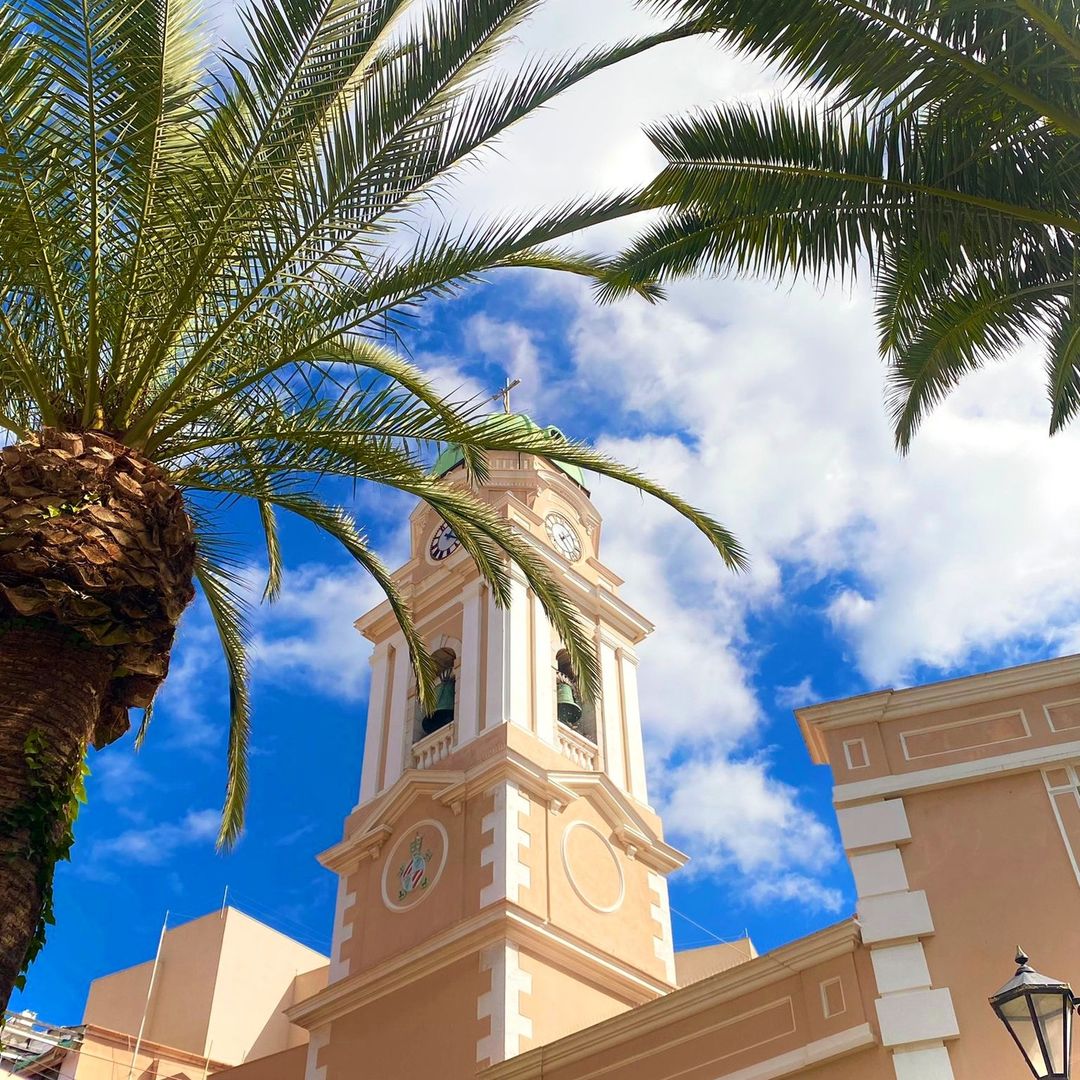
(414,865)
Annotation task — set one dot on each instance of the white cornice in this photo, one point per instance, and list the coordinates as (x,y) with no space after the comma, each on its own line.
(383,813)
(963,772)
(494,924)
(635,833)
(933,697)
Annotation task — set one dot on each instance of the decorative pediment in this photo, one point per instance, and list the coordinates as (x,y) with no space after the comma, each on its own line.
(635,833)
(383,815)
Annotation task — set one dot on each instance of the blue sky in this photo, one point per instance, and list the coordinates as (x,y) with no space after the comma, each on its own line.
(145,841)
(763,405)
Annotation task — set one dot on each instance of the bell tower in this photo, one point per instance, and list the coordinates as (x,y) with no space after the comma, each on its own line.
(502,877)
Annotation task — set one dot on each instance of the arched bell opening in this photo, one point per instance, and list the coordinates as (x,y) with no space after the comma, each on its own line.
(445,697)
(572,709)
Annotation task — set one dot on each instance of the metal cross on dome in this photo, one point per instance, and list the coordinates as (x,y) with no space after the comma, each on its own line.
(504,393)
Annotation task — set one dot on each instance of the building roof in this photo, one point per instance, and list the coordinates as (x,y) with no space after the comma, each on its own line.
(452,456)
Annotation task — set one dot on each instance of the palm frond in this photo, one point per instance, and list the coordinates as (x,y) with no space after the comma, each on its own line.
(224,590)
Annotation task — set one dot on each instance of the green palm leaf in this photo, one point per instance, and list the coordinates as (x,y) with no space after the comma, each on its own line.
(939,153)
(202,251)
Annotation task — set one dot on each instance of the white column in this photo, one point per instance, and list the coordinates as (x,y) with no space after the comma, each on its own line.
(635,748)
(543,674)
(373,735)
(508,690)
(400,726)
(612,732)
(468,699)
(518,661)
(495,692)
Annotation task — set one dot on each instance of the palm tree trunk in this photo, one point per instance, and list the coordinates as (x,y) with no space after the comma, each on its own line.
(52,688)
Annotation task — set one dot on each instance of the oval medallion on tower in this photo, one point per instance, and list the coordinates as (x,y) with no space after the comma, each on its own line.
(414,865)
(592,867)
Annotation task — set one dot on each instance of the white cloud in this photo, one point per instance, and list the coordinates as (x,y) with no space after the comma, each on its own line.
(307,636)
(971,543)
(797,694)
(736,817)
(156,844)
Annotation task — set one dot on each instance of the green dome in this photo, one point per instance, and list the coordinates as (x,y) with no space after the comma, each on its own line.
(452,457)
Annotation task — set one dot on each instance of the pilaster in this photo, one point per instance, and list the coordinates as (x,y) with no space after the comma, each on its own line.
(915,1017)
(468,703)
(376,720)
(399,724)
(543,673)
(631,711)
(611,728)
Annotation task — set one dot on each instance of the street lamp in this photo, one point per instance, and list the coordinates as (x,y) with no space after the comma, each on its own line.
(1038,1013)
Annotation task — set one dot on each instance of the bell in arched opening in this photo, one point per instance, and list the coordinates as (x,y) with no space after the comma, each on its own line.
(443,713)
(566,692)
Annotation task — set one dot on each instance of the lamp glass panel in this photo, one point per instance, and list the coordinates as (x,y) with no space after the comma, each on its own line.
(1017,1015)
(1054,1017)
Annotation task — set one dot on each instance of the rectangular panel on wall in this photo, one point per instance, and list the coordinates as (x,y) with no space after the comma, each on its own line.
(1063,716)
(1063,788)
(964,735)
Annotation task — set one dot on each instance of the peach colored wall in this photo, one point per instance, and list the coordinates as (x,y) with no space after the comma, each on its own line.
(304,987)
(561,1003)
(284,1065)
(731,1035)
(996,872)
(429,1029)
(973,731)
(108,1056)
(626,933)
(378,932)
(255,982)
(179,1013)
(693,965)
(220,988)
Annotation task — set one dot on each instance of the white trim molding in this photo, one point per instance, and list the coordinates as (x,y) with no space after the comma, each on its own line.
(660,910)
(320,1038)
(892,916)
(963,772)
(502,1004)
(873,823)
(914,1017)
(1068,788)
(509,841)
(339,968)
(923,1063)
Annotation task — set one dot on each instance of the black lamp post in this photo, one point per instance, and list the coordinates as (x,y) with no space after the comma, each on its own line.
(1038,1013)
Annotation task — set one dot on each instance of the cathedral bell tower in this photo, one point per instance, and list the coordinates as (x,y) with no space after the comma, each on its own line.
(503,877)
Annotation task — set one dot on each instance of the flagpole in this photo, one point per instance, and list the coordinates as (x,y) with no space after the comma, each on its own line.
(149,994)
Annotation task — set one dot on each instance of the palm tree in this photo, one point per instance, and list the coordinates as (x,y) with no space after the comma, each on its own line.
(203,262)
(936,146)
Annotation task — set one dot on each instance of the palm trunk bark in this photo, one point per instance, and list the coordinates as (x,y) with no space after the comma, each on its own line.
(53,686)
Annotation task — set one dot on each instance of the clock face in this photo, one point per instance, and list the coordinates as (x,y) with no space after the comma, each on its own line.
(563,536)
(443,543)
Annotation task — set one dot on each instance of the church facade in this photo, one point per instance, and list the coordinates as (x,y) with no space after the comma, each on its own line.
(502,906)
